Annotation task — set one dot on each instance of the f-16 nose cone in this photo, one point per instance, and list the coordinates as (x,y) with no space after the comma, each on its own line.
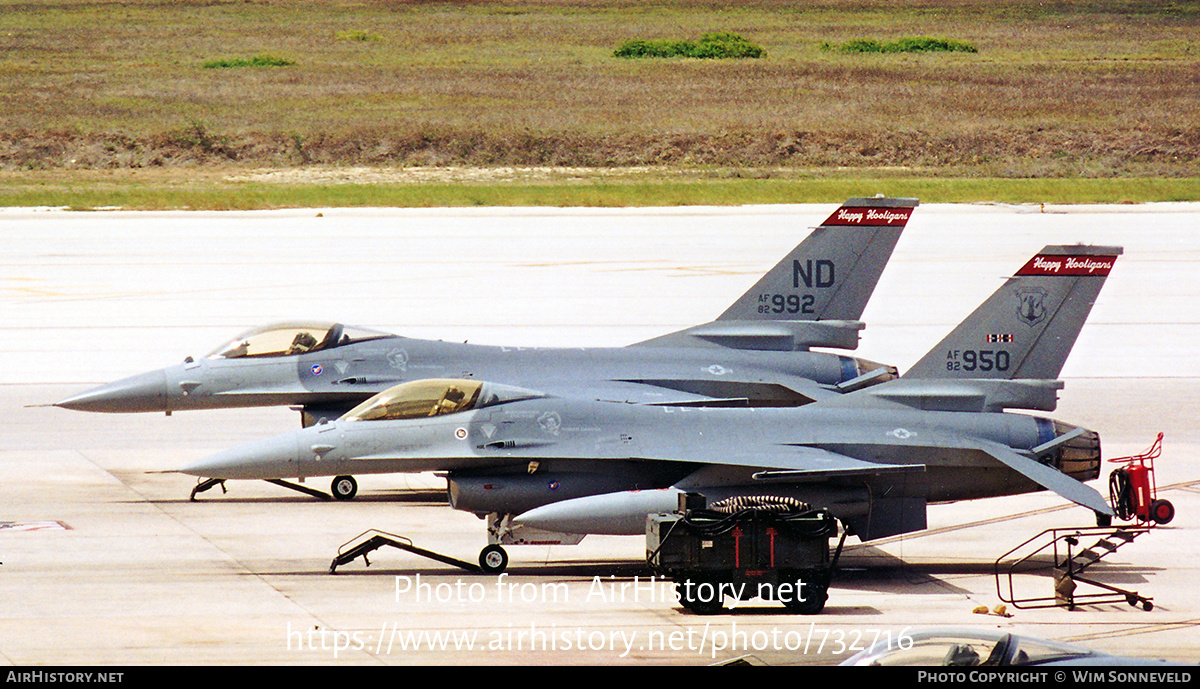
(144,392)
(272,458)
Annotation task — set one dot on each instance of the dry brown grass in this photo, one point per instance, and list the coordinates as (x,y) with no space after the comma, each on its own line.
(1104,87)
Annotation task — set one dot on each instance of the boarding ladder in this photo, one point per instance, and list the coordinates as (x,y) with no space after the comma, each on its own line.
(1069,565)
(373,539)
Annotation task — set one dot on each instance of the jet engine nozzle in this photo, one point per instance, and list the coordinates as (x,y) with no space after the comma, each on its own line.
(1079,457)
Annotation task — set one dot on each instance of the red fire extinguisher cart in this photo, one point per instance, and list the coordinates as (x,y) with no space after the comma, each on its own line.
(1133,491)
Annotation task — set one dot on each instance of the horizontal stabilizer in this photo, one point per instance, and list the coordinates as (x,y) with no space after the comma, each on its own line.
(1049,447)
(872,377)
(773,336)
(961,395)
(1048,478)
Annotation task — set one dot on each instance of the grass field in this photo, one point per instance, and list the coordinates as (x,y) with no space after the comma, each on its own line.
(216,188)
(113,100)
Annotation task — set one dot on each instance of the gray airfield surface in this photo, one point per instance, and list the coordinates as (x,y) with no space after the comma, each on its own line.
(105,560)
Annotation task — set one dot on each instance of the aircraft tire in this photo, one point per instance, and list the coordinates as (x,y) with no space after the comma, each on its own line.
(344,487)
(493,559)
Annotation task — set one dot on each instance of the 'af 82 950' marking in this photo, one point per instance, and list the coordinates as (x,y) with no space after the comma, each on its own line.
(977,360)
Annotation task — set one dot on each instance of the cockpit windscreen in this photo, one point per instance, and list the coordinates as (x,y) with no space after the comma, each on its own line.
(426,398)
(292,339)
(418,399)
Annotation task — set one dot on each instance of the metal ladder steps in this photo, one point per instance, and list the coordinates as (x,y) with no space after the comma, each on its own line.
(1090,556)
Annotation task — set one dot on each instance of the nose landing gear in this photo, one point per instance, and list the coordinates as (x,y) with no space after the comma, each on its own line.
(344,488)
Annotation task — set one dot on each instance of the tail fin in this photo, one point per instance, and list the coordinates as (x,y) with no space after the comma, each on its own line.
(828,277)
(832,273)
(1026,329)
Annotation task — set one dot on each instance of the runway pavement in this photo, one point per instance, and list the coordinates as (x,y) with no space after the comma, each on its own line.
(105,559)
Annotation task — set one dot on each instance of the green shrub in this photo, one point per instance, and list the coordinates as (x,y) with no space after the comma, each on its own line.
(727,45)
(640,48)
(925,44)
(711,46)
(920,44)
(859,45)
(358,35)
(262,60)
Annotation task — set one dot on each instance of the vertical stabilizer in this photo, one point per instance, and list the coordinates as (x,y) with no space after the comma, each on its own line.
(816,294)
(1026,328)
(832,273)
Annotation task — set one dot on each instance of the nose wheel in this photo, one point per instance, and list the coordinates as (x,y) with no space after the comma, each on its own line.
(344,488)
(493,559)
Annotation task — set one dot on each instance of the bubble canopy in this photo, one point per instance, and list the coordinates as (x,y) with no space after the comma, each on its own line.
(421,399)
(292,339)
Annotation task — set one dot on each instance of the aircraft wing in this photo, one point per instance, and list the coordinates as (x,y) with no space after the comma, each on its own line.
(784,462)
(627,391)
(771,463)
(730,471)
(816,463)
(783,391)
(804,463)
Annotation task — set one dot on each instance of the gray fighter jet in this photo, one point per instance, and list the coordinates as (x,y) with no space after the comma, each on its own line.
(548,468)
(756,353)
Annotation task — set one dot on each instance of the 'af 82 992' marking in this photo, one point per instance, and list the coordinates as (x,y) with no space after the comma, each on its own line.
(786,303)
(977,360)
